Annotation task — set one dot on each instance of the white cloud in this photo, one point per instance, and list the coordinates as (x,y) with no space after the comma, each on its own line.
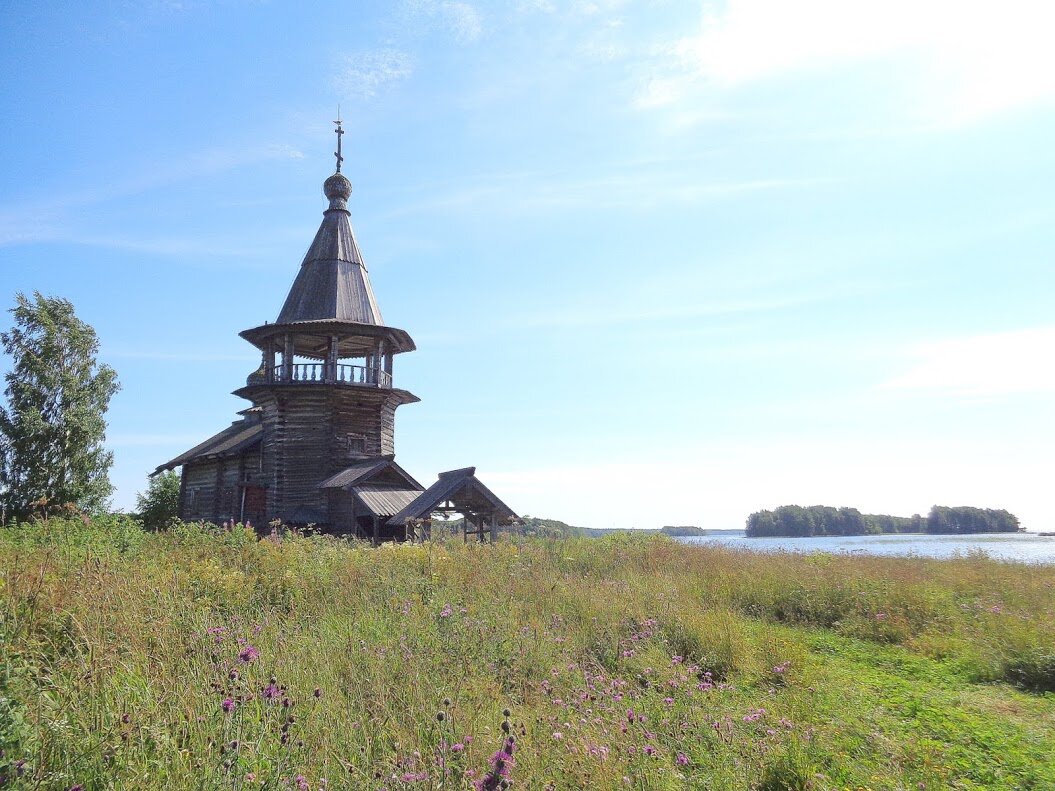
(983,366)
(968,59)
(460,19)
(365,73)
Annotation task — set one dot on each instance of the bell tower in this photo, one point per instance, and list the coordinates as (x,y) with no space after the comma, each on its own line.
(325,391)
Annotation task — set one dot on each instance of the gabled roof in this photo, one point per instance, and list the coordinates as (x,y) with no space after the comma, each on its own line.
(463,489)
(371,468)
(239,436)
(333,282)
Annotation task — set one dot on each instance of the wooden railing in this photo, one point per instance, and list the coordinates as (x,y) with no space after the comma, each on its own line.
(345,374)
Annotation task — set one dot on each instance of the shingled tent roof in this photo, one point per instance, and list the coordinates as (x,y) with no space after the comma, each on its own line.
(333,283)
(463,489)
(239,436)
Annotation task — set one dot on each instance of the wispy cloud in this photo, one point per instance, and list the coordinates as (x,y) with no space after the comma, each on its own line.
(365,74)
(968,60)
(644,187)
(982,366)
(47,219)
(460,19)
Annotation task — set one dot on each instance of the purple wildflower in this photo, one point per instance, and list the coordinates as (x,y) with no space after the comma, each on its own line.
(270,692)
(227,705)
(446,611)
(682,759)
(248,654)
(302,783)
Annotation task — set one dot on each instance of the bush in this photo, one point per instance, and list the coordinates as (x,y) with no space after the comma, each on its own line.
(159,504)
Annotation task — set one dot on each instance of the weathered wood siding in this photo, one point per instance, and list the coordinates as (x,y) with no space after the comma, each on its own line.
(313,432)
(212,490)
(199,490)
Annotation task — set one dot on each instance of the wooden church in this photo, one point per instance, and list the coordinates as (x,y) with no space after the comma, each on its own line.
(317,446)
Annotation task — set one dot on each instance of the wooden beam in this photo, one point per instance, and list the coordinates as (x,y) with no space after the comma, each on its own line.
(287,358)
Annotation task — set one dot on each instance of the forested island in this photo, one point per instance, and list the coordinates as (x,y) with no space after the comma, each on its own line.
(538,527)
(824,520)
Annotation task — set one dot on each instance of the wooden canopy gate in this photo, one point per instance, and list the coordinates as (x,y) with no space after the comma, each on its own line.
(457,491)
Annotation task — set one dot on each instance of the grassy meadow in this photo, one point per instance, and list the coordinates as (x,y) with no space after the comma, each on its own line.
(204,658)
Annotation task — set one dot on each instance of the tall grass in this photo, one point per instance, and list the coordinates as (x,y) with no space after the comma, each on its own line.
(209,658)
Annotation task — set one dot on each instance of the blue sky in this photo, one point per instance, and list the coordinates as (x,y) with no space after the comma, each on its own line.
(665,262)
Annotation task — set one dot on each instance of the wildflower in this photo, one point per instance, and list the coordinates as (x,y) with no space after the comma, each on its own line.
(668,701)
(682,759)
(227,705)
(248,654)
(77,787)
(270,692)
(782,667)
(649,750)
(302,783)
(457,747)
(126,718)
(446,611)
(557,735)
(318,692)
(250,777)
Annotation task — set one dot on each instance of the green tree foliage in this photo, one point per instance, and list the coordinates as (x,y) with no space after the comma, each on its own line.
(964,519)
(53,426)
(159,505)
(823,520)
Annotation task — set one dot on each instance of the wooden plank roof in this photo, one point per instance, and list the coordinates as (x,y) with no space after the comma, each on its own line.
(234,439)
(333,282)
(364,470)
(384,501)
(463,489)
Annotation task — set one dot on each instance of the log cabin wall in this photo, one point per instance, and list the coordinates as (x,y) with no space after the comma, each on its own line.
(211,490)
(199,490)
(313,432)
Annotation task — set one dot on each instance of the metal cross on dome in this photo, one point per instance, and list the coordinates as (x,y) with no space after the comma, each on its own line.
(340,133)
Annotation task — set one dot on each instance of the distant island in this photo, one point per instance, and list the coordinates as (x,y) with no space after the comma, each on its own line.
(538,527)
(824,520)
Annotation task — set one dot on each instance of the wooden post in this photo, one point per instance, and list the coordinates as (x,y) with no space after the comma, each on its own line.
(217,493)
(330,373)
(241,482)
(182,510)
(494,526)
(269,362)
(287,358)
(375,531)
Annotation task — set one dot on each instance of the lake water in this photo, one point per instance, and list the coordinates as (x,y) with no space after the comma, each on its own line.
(1025,547)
